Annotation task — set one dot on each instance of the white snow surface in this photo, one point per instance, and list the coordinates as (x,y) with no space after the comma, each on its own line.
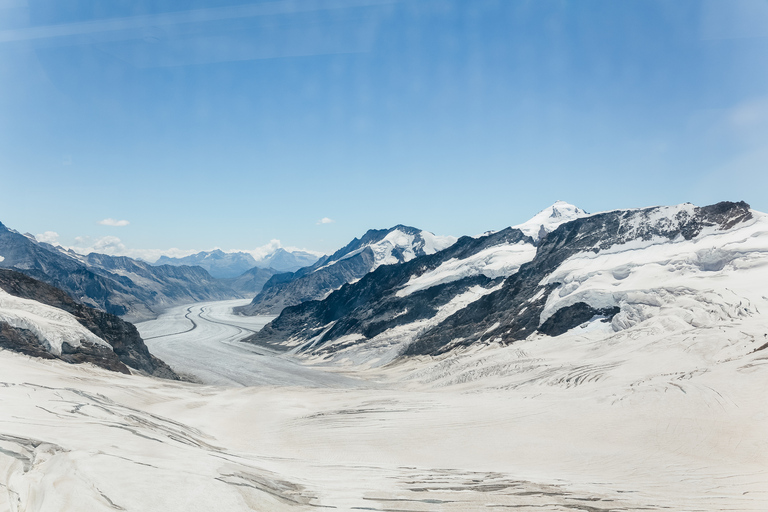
(590,420)
(549,219)
(202,340)
(669,412)
(682,284)
(434,243)
(52,326)
(498,261)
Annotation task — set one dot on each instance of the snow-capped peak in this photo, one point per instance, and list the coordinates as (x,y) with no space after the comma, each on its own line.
(549,219)
(400,245)
(395,245)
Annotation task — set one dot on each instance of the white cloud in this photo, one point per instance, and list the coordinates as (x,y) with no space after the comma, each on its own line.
(265,250)
(49,237)
(105,245)
(262,252)
(113,222)
(325,220)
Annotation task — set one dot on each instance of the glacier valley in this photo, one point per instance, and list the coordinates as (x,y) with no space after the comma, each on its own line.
(637,383)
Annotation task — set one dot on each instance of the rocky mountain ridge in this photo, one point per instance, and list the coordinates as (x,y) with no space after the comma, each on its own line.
(457,297)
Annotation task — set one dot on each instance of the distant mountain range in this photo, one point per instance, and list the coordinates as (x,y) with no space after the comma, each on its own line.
(375,248)
(234,264)
(561,270)
(136,290)
(131,289)
(218,263)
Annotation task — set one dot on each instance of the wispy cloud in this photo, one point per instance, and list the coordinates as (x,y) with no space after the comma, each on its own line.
(113,222)
(325,220)
(105,245)
(49,237)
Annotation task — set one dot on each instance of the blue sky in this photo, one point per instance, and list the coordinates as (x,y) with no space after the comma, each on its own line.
(230,124)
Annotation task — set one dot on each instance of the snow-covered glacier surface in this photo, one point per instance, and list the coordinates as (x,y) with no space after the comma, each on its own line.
(637,421)
(661,408)
(201,341)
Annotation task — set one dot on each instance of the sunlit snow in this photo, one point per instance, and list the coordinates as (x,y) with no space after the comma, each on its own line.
(498,261)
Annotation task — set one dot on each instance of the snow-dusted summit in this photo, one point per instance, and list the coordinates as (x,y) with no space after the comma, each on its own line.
(548,219)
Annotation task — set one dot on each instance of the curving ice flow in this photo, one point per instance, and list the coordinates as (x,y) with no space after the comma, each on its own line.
(202,341)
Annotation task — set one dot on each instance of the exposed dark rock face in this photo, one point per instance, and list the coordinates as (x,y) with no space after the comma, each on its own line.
(371,305)
(43,262)
(329,273)
(119,285)
(273,299)
(572,316)
(158,287)
(513,312)
(23,341)
(127,346)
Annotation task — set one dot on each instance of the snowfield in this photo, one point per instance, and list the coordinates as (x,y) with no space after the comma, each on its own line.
(497,261)
(662,408)
(557,425)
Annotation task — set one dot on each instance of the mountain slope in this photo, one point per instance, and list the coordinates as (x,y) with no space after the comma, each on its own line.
(517,309)
(436,303)
(159,287)
(358,258)
(39,320)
